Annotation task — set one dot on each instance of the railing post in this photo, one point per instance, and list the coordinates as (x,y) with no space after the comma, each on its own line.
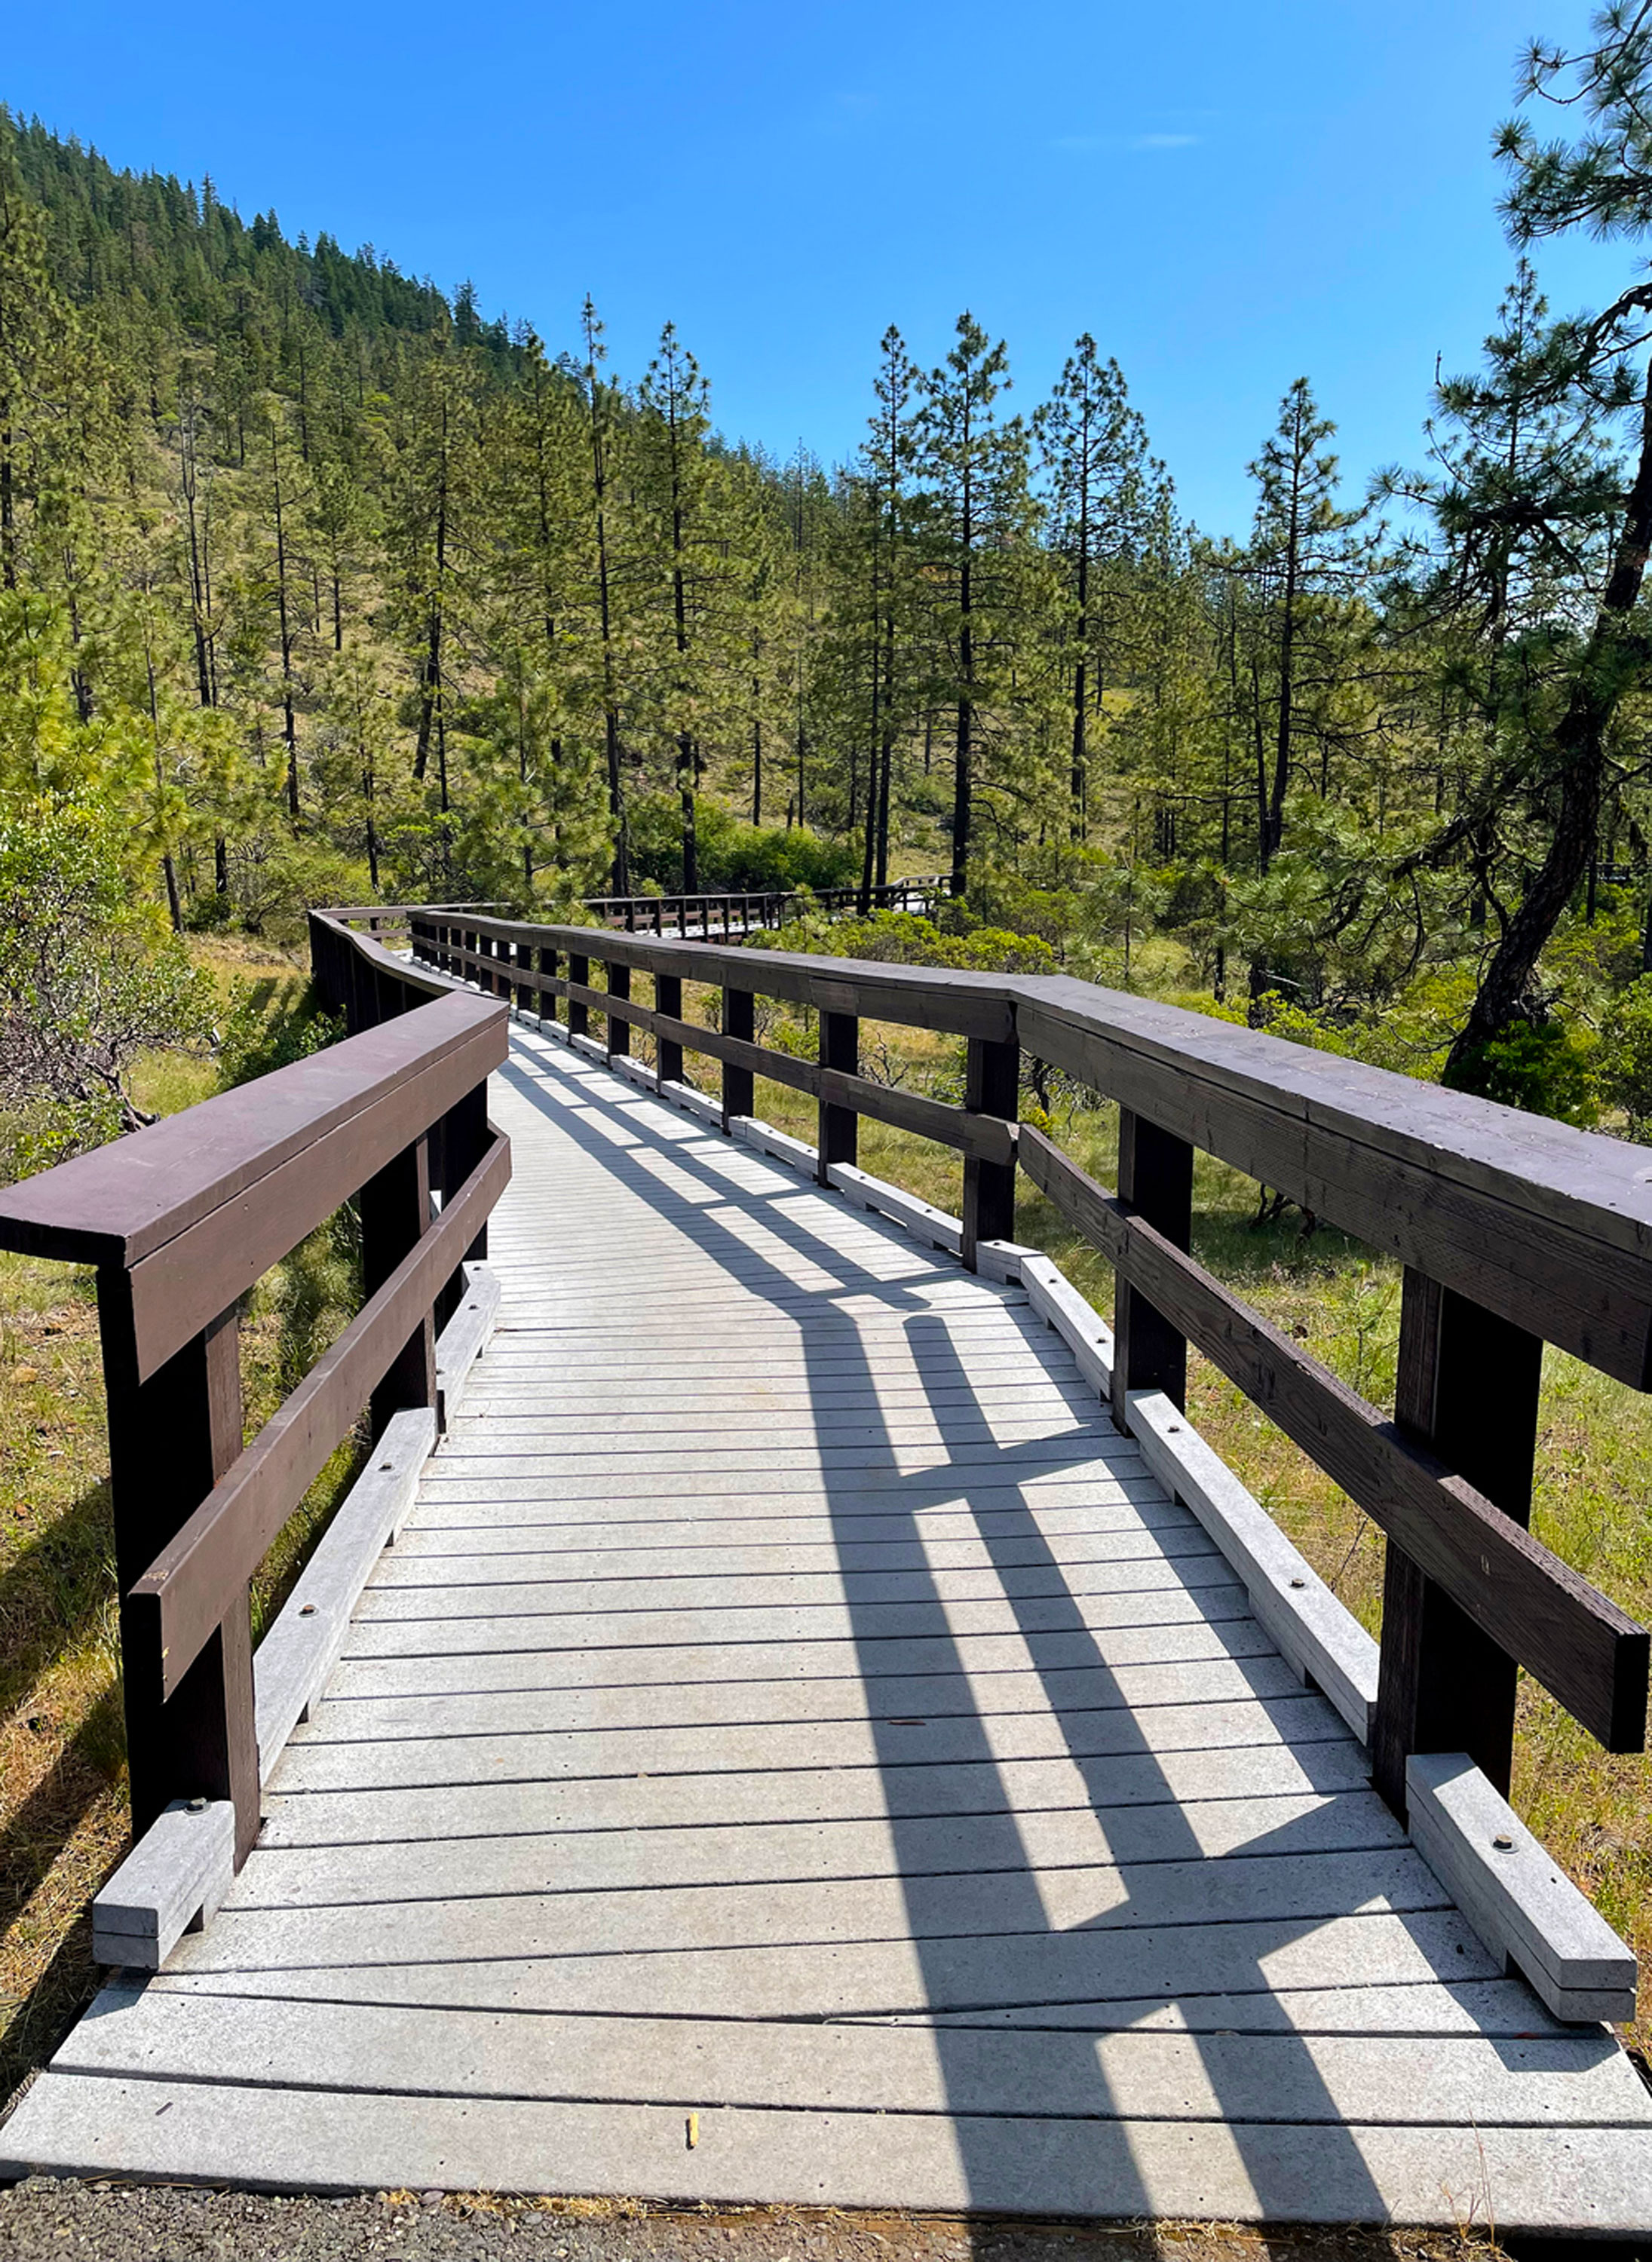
(739,1085)
(171,1437)
(526,996)
(839,1048)
(461,1141)
(1156,1179)
(618,1031)
(547,998)
(667,1056)
(1468,1385)
(579,1011)
(992,1087)
(395,1213)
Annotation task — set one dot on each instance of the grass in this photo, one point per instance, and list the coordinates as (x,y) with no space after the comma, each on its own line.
(1341,1300)
(64,1809)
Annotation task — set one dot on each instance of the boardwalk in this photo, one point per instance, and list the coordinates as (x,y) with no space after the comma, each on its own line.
(795,1752)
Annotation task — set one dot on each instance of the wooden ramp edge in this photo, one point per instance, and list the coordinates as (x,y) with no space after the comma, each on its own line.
(797,1750)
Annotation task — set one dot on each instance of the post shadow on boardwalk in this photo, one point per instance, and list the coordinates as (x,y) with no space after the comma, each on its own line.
(965,1974)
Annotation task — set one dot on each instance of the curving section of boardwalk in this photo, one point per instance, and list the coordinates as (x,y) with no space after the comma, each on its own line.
(795,1752)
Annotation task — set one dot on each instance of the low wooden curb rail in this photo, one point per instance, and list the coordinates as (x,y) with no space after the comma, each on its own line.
(1513,1230)
(181,1220)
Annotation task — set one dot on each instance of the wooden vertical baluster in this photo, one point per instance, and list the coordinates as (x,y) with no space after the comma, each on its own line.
(395,1213)
(667,1057)
(992,1087)
(579,1011)
(547,998)
(170,1438)
(526,996)
(660,914)
(1468,1386)
(682,915)
(618,1031)
(1156,1176)
(739,1085)
(838,1136)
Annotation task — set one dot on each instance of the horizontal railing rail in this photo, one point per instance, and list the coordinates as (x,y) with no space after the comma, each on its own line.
(1513,1230)
(181,1220)
(727,912)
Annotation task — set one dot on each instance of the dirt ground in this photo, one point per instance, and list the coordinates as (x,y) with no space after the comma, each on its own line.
(114,2222)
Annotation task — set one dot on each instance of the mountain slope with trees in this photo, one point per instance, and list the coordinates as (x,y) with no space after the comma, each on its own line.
(314,582)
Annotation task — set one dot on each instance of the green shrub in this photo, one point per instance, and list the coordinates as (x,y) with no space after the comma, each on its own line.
(1625,1054)
(270,1025)
(746,859)
(89,980)
(905,938)
(1542,1067)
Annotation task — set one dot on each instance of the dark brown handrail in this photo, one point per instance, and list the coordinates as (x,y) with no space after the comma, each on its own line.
(1513,1230)
(181,1220)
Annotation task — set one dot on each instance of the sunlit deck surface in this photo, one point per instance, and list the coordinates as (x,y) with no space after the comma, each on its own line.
(795,1752)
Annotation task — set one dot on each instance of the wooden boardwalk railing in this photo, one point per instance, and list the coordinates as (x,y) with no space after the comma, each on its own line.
(181,1220)
(797,1748)
(711,913)
(718,912)
(1513,1230)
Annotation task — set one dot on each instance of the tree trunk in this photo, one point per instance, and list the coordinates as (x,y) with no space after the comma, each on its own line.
(8,524)
(1079,782)
(289,730)
(1612,664)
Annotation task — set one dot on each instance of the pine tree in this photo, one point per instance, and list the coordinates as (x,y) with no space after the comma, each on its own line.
(675,403)
(1094,451)
(600,407)
(975,513)
(1600,182)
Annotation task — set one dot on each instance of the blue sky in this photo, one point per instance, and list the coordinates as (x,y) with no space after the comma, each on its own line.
(1226,195)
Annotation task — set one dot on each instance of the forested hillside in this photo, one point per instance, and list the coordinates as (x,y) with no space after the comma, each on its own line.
(315,583)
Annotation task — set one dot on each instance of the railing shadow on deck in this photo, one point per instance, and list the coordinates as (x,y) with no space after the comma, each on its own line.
(1513,1230)
(1010,1968)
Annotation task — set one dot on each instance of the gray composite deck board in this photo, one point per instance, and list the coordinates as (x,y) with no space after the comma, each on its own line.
(791,1704)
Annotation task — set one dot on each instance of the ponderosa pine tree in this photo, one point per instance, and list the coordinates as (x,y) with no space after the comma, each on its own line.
(1299,554)
(886,454)
(1595,366)
(970,471)
(599,406)
(1094,446)
(675,403)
